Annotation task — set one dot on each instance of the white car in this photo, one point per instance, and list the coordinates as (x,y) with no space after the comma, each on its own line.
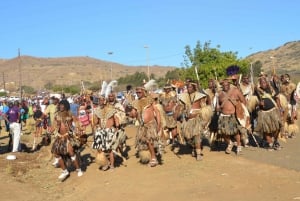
(3,98)
(13,98)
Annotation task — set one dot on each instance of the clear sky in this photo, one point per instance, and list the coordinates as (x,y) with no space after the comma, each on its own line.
(62,28)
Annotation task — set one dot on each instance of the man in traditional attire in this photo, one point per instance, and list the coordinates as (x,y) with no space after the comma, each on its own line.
(129,96)
(269,123)
(192,128)
(230,99)
(147,138)
(50,111)
(163,136)
(211,91)
(168,100)
(290,113)
(275,83)
(106,125)
(242,83)
(65,141)
(120,110)
(246,87)
(121,115)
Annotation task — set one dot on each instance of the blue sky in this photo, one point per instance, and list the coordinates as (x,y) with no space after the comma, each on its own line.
(61,28)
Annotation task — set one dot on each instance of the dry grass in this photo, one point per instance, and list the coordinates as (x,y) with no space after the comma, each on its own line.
(36,72)
(285,59)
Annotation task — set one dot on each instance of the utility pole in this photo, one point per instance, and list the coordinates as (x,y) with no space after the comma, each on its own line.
(3,81)
(20,74)
(273,70)
(148,67)
(110,53)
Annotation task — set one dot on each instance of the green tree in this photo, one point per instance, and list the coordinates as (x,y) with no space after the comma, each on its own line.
(176,74)
(95,86)
(58,88)
(28,89)
(135,79)
(256,68)
(4,93)
(73,89)
(203,63)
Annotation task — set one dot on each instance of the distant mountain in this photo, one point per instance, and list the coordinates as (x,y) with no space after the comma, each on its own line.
(36,72)
(285,59)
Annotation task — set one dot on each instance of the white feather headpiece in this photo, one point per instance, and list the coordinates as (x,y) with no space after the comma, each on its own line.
(103,88)
(110,87)
(151,85)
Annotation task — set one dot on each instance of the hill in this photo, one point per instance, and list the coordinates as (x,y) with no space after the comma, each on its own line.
(285,59)
(36,72)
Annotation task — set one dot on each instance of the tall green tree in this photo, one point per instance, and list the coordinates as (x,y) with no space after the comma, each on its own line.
(204,62)
(176,74)
(4,93)
(135,80)
(257,68)
(28,89)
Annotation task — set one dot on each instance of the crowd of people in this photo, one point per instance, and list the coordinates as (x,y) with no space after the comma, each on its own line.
(228,112)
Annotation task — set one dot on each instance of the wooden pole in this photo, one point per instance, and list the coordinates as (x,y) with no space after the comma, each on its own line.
(4,87)
(20,74)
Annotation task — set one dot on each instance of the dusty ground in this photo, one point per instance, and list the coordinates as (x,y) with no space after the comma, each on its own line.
(256,175)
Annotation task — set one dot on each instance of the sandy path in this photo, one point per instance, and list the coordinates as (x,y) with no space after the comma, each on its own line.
(256,175)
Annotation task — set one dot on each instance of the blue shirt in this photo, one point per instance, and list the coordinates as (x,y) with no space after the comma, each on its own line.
(5,109)
(74,109)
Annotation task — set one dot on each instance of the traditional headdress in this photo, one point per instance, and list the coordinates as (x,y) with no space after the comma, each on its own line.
(110,87)
(103,88)
(151,85)
(232,71)
(177,84)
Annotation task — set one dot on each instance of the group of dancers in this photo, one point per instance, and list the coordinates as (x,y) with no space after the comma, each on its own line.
(230,111)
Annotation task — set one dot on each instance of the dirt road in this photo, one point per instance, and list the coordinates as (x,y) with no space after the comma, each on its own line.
(257,174)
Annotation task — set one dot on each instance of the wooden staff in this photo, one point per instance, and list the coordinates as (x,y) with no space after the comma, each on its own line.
(198,79)
(82,88)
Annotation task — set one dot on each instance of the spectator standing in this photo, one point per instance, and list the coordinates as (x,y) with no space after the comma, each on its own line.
(24,116)
(13,117)
(49,112)
(38,116)
(5,110)
(1,115)
(74,107)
